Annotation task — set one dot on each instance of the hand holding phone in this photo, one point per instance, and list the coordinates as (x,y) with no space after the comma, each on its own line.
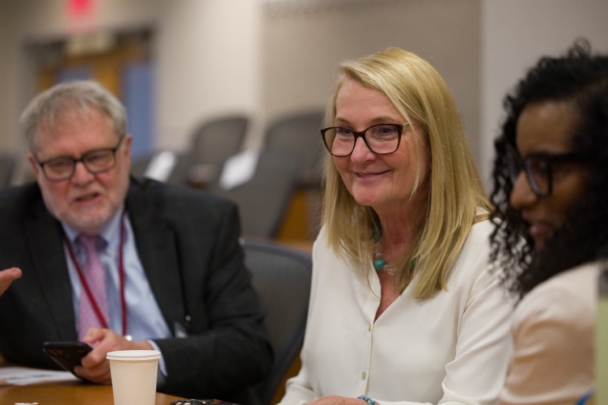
(67,354)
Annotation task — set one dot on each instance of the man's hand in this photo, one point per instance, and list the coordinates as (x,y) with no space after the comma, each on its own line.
(337,400)
(95,367)
(7,277)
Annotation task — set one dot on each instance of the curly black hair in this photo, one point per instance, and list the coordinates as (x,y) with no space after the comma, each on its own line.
(579,77)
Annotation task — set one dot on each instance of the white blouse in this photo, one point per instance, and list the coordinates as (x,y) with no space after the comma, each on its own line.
(452,348)
(553,338)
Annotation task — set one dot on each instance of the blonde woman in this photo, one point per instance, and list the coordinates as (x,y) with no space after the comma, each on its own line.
(405,307)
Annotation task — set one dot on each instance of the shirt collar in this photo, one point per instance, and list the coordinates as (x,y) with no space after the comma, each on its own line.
(109,232)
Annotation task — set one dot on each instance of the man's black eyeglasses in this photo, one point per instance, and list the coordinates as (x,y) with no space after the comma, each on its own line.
(538,167)
(95,161)
(381,139)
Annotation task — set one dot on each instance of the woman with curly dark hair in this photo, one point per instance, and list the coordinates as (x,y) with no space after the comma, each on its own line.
(551,188)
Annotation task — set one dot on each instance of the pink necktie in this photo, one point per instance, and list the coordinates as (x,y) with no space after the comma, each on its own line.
(96,280)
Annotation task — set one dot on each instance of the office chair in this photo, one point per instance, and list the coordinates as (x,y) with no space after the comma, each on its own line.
(299,133)
(281,277)
(215,140)
(7,167)
(172,167)
(264,199)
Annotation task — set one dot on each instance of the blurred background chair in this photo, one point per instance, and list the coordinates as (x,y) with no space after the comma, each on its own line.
(217,139)
(264,199)
(166,166)
(299,133)
(7,168)
(212,142)
(282,278)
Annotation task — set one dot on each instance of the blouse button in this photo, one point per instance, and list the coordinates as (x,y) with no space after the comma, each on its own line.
(369,327)
(363,375)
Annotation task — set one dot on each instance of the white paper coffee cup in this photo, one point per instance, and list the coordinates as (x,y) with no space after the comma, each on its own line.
(134,376)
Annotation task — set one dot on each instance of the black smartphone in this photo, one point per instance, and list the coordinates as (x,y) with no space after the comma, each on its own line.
(67,354)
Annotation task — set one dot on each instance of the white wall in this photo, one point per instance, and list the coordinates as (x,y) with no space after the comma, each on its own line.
(28,21)
(515,34)
(304,47)
(209,63)
(217,56)
(49,18)
(208,57)
(8,76)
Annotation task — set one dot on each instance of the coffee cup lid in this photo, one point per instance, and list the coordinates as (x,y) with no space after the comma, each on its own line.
(133,355)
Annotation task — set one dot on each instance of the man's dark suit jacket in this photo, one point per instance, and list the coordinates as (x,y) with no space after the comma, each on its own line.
(188,245)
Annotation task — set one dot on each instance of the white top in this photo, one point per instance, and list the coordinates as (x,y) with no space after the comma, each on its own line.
(553,339)
(452,348)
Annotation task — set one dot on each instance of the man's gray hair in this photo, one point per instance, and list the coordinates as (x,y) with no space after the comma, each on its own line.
(47,106)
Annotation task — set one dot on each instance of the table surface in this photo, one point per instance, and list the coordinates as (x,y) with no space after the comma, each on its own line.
(66,393)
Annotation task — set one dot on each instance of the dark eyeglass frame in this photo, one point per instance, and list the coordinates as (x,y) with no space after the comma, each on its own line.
(361,134)
(515,161)
(82,159)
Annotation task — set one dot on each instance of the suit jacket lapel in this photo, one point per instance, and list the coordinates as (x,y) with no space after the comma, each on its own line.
(157,249)
(45,240)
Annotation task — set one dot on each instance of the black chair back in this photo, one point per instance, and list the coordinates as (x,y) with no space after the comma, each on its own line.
(178,172)
(282,278)
(263,200)
(216,140)
(299,133)
(7,168)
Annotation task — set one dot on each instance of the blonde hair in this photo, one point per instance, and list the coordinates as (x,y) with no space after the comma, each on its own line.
(456,198)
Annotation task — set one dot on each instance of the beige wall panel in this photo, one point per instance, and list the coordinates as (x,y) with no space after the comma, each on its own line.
(304,47)
(515,34)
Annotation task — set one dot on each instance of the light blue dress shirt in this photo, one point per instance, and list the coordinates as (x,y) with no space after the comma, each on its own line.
(144,318)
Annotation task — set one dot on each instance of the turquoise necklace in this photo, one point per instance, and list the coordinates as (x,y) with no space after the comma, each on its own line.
(379,263)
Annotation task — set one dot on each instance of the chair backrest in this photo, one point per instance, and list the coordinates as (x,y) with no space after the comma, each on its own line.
(264,199)
(281,277)
(7,167)
(177,172)
(216,140)
(299,133)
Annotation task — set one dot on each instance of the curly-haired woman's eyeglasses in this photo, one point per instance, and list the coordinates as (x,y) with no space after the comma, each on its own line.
(538,167)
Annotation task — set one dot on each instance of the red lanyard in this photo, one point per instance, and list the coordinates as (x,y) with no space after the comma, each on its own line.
(121,277)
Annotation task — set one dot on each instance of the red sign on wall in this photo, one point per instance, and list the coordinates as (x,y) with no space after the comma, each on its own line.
(80,7)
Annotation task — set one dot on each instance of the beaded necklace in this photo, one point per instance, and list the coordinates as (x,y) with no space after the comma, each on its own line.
(380,263)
